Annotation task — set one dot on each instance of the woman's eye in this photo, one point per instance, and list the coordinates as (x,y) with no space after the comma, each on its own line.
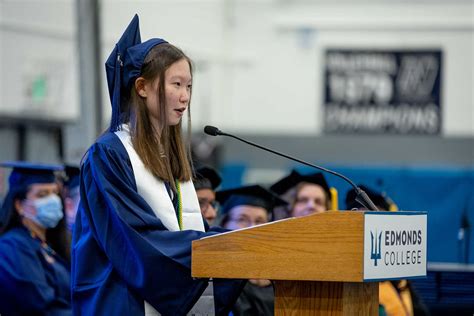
(190,86)
(177,84)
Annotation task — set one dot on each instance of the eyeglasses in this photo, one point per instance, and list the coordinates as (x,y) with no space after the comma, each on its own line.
(244,221)
(204,204)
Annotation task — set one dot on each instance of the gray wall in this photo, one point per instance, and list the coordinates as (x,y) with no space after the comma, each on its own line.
(353,150)
(261,62)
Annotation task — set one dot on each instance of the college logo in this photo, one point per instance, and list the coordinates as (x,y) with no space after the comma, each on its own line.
(375,247)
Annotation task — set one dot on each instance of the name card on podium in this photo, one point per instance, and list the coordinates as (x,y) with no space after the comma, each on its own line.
(394,245)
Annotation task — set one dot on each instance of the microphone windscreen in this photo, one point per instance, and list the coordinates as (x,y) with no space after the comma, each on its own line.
(211,130)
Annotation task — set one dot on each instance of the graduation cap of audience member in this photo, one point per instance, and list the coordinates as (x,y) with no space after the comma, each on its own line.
(72,176)
(23,175)
(380,200)
(206,178)
(124,65)
(252,195)
(294,178)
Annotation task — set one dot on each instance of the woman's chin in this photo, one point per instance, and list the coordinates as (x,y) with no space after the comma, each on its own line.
(175,119)
(174,122)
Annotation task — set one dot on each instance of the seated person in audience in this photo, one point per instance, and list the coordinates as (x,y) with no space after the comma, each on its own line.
(381,200)
(241,208)
(396,297)
(70,193)
(206,182)
(306,194)
(34,272)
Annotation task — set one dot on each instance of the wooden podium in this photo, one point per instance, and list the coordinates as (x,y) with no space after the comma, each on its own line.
(319,264)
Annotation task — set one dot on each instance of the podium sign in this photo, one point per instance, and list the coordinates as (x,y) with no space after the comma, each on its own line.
(394,245)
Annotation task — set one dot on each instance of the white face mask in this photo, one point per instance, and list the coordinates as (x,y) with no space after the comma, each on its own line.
(49,211)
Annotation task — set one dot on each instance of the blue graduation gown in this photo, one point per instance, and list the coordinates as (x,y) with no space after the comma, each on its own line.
(29,284)
(122,254)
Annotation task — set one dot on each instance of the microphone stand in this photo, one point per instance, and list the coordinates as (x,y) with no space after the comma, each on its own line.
(361,196)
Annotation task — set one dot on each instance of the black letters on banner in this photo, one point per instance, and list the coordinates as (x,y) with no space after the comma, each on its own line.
(382,91)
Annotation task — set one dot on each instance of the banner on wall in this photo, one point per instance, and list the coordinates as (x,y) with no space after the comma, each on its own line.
(382,91)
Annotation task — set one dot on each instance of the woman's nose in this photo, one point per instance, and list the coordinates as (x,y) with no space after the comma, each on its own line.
(185,96)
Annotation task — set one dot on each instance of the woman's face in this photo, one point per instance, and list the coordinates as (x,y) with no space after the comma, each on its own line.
(178,84)
(310,199)
(36,191)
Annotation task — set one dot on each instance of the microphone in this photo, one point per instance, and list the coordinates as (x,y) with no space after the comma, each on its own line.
(212,130)
(361,196)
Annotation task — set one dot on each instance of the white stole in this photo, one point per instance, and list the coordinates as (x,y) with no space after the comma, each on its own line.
(155,194)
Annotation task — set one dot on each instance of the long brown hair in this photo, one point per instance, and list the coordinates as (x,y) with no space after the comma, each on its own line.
(168,156)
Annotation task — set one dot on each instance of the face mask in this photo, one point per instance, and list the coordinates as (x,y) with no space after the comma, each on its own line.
(49,211)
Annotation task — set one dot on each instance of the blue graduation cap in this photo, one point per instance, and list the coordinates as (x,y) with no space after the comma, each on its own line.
(124,65)
(206,178)
(71,176)
(294,178)
(26,173)
(253,195)
(380,200)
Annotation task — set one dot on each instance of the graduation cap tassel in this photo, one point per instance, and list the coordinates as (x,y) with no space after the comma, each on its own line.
(115,119)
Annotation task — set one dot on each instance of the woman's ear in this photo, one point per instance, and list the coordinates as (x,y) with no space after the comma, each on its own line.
(140,87)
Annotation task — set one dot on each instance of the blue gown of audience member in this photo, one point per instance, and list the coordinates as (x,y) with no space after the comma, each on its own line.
(132,256)
(30,282)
